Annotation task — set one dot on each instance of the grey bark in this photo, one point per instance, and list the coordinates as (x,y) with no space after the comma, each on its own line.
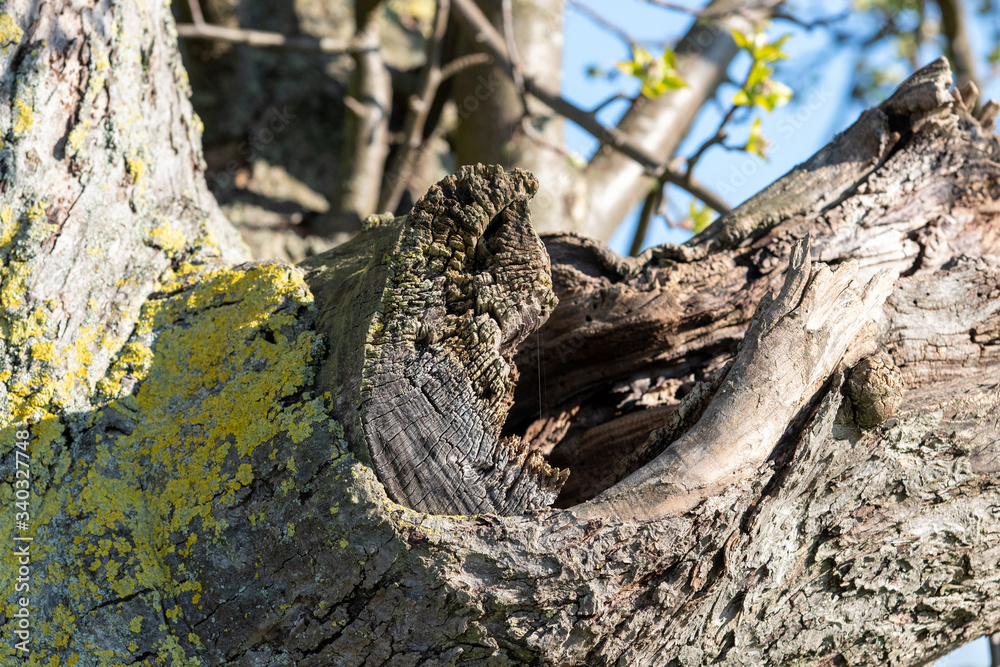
(103,183)
(490,113)
(194,501)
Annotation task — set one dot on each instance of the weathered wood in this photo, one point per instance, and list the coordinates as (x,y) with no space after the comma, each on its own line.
(794,342)
(439,307)
(633,335)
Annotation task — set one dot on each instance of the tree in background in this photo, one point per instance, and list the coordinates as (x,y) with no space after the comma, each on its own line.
(448,88)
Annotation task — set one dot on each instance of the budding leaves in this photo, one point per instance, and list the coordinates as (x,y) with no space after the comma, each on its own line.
(657,75)
(760,89)
(700,217)
(756,142)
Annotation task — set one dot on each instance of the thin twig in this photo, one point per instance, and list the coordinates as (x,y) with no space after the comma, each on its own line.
(613,98)
(264,39)
(720,132)
(703,13)
(196,16)
(717,138)
(540,139)
(463,63)
(811,25)
(405,161)
(649,207)
(483,31)
(673,6)
(515,55)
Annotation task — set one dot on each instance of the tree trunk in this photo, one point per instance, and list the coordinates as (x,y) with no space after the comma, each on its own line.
(232,465)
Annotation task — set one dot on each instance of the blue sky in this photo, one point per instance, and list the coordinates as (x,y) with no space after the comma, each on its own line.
(821,108)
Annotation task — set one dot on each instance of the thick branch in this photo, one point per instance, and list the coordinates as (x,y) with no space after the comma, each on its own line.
(366,132)
(400,170)
(263,39)
(794,342)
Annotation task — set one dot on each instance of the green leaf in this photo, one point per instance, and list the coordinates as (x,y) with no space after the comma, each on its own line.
(742,98)
(756,142)
(657,75)
(994,55)
(700,216)
(761,90)
(758,73)
(775,94)
(742,40)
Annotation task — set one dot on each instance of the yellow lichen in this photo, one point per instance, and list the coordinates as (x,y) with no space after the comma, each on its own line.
(10,31)
(25,117)
(37,210)
(8,226)
(44,351)
(14,276)
(137,168)
(203,418)
(77,136)
(167,237)
(101,59)
(95,85)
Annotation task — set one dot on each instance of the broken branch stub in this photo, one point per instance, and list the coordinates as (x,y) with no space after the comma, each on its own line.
(456,285)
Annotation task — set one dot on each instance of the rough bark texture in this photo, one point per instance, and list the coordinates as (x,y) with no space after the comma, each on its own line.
(103,191)
(193,501)
(439,308)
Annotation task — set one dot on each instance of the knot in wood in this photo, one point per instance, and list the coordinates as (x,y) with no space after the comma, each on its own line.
(875,388)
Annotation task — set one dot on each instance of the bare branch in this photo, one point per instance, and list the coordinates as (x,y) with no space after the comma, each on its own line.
(462,63)
(814,319)
(196,16)
(613,98)
(542,140)
(958,50)
(703,55)
(405,161)
(811,25)
(366,131)
(263,39)
(649,208)
(718,137)
(474,20)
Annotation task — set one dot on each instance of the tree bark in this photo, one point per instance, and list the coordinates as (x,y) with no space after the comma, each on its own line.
(224,474)
(491,119)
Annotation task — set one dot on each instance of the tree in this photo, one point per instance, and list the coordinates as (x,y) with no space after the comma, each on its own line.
(472,83)
(784,431)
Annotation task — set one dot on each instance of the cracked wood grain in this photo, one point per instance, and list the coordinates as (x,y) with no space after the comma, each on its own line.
(466,280)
